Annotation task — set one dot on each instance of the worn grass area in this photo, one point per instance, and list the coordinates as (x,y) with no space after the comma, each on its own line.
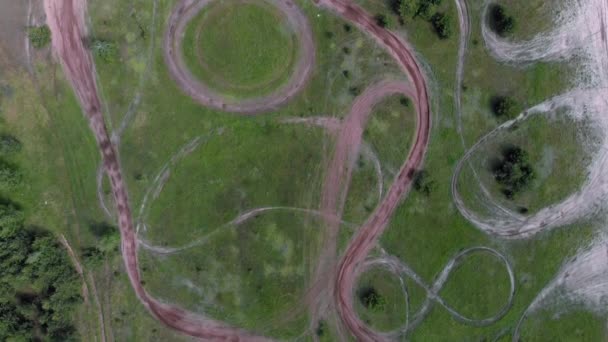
(241,49)
(243,166)
(389,312)
(253,275)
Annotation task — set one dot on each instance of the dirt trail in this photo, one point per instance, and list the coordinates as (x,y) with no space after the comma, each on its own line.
(186,10)
(336,184)
(66,21)
(371,230)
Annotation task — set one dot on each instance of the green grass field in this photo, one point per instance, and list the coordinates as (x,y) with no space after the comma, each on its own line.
(256,274)
(240,49)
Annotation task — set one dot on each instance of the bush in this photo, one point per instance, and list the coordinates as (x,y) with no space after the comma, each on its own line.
(39,36)
(10,176)
(504,107)
(106,51)
(371,299)
(9,144)
(382,20)
(513,171)
(500,22)
(422,183)
(442,24)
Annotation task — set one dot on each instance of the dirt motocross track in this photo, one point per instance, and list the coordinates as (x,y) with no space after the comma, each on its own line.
(66,19)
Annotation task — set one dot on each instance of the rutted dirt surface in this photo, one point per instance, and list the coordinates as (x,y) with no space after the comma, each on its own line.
(186,10)
(67,23)
(337,180)
(368,234)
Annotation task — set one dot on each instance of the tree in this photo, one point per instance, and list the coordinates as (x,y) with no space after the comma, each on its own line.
(500,22)
(513,171)
(503,107)
(382,20)
(442,24)
(39,36)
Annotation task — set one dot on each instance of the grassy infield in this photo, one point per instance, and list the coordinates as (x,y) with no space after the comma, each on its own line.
(262,269)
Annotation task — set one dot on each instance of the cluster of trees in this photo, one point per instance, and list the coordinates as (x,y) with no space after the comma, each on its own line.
(513,171)
(504,107)
(39,36)
(426,9)
(500,22)
(39,289)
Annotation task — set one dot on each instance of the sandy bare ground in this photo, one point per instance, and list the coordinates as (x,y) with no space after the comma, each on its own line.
(186,10)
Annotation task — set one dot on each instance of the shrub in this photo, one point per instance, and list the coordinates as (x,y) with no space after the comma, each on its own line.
(39,36)
(422,183)
(382,20)
(442,24)
(371,299)
(106,51)
(10,175)
(503,107)
(500,22)
(513,171)
(9,144)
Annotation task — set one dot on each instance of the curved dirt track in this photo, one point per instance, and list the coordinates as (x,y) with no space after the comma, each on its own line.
(337,180)
(186,10)
(371,230)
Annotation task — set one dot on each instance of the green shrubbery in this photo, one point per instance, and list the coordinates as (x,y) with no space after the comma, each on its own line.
(39,36)
(500,22)
(105,50)
(513,171)
(371,299)
(39,289)
(504,107)
(426,9)
(442,25)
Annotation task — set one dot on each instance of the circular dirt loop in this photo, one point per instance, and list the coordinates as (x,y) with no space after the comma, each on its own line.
(303,63)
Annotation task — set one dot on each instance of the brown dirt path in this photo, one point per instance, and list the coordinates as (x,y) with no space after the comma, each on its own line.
(66,19)
(336,184)
(371,230)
